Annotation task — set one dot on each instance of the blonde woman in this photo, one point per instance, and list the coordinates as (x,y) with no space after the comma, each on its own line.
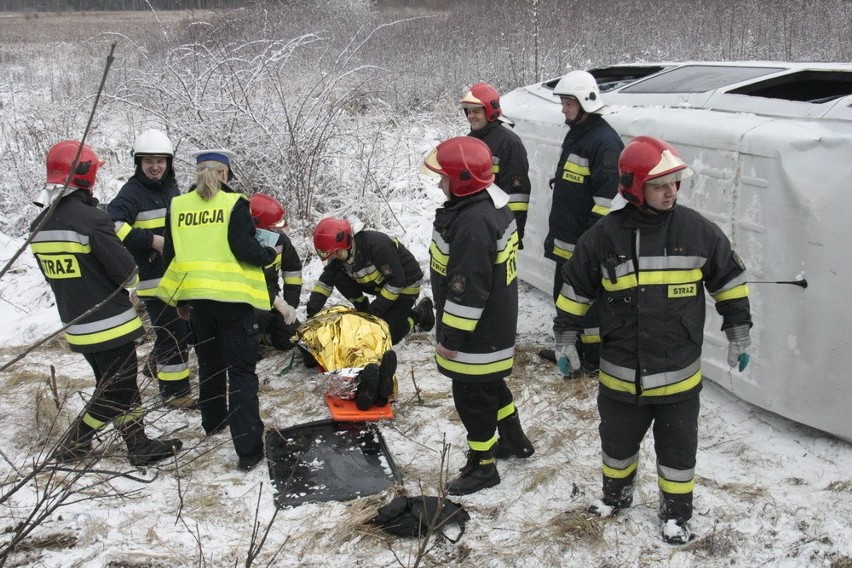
(215,277)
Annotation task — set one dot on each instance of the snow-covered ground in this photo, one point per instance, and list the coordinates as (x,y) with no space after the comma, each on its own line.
(768,491)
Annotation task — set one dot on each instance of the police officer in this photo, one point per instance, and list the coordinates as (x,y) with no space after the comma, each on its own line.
(278,325)
(481,106)
(647,265)
(215,272)
(586,180)
(86,265)
(139,213)
(475,286)
(370,262)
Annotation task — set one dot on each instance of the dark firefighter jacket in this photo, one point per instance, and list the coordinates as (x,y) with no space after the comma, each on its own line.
(377,265)
(648,272)
(475,287)
(511,168)
(84,263)
(586,181)
(138,212)
(289,265)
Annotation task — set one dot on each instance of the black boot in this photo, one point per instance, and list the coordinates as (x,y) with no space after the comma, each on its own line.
(424,312)
(387,369)
(142,450)
(77,443)
(512,443)
(480,472)
(368,387)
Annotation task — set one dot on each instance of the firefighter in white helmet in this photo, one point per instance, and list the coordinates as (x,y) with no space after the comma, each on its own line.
(139,214)
(585,183)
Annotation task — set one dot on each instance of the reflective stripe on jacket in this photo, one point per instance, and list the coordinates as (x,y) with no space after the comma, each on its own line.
(475,287)
(84,262)
(649,273)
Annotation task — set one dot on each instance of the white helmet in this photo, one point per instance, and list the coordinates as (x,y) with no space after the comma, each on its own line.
(582,86)
(153,142)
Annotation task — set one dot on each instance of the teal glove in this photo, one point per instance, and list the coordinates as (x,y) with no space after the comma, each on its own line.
(739,341)
(565,349)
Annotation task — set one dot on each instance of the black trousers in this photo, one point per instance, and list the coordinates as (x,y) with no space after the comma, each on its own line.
(478,404)
(226,346)
(170,349)
(274,330)
(116,389)
(623,426)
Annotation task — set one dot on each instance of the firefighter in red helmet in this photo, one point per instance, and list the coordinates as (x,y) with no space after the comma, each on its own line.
(278,325)
(475,286)
(85,264)
(481,107)
(360,263)
(648,265)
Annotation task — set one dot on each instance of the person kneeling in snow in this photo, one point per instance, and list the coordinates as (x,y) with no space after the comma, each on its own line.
(278,325)
(369,262)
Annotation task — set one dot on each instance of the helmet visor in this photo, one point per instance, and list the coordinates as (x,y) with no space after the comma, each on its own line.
(672,177)
(431,166)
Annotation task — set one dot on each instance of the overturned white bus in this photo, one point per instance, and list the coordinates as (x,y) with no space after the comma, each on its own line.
(771,147)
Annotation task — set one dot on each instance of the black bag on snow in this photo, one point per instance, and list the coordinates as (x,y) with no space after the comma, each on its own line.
(411,516)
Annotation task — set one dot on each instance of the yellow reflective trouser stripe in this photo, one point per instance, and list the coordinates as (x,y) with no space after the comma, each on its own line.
(474,369)
(653,277)
(106,335)
(56,247)
(457,322)
(600,210)
(483,446)
(570,306)
(519,206)
(614,473)
(128,417)
(740,291)
(166,374)
(411,290)
(676,487)
(681,386)
(293,281)
(388,295)
(595,338)
(616,384)
(92,422)
(506,411)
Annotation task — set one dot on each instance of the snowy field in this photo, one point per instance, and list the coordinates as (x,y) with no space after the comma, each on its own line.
(768,492)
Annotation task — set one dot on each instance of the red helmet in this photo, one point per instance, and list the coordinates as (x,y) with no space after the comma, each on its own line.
(466,161)
(645,159)
(267,212)
(60,158)
(332,235)
(485,96)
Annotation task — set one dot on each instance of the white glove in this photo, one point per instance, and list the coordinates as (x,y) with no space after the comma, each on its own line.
(565,350)
(739,341)
(285,309)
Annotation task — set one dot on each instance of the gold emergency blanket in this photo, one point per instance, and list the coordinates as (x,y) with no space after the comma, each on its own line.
(340,337)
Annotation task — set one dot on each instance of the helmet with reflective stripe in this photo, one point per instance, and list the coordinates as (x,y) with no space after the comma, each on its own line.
(466,161)
(582,86)
(647,159)
(267,212)
(485,96)
(332,235)
(60,158)
(153,142)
